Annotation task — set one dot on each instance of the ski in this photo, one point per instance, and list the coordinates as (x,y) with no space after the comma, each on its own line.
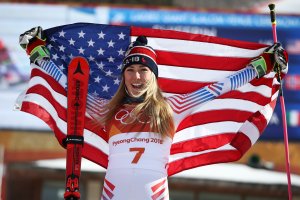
(78,76)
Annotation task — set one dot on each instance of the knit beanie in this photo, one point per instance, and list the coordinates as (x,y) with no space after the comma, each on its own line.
(139,53)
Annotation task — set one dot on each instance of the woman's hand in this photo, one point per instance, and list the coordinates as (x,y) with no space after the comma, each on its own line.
(274,58)
(279,57)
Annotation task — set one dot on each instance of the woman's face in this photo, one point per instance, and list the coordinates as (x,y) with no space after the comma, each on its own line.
(136,77)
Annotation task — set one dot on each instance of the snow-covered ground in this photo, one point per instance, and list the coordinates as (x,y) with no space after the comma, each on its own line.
(224,171)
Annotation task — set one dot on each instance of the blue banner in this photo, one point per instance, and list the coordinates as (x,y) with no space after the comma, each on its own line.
(275,131)
(188,18)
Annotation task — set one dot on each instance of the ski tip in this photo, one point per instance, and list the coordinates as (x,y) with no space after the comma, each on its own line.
(79,63)
(79,59)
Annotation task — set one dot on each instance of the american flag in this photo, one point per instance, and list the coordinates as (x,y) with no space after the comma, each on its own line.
(220,131)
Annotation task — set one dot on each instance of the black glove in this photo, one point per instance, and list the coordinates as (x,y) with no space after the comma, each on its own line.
(274,58)
(278,57)
(33,42)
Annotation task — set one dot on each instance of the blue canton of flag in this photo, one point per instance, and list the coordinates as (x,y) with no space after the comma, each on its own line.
(103,46)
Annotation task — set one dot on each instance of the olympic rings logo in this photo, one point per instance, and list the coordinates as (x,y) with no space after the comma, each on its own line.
(128,117)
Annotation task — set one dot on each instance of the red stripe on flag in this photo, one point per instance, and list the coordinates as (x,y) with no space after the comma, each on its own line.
(179,86)
(89,153)
(43,114)
(88,150)
(262,81)
(220,156)
(43,91)
(201,61)
(90,124)
(241,142)
(247,96)
(214,116)
(259,121)
(203,143)
(170,34)
(184,86)
(52,82)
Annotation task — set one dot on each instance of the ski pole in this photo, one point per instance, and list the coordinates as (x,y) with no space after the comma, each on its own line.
(282,104)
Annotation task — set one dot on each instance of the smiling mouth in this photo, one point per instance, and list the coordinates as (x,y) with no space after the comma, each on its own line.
(137,86)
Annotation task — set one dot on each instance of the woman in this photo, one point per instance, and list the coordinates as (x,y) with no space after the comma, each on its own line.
(140,126)
(141,123)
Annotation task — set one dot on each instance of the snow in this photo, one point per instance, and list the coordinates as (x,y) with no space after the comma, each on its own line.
(86,165)
(224,171)
(239,173)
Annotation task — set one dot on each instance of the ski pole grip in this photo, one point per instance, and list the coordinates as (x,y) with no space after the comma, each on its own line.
(273,21)
(272,13)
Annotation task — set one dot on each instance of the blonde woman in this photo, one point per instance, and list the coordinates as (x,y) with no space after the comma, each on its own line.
(140,126)
(140,122)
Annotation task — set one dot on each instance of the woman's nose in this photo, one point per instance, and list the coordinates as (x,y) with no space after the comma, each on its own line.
(137,75)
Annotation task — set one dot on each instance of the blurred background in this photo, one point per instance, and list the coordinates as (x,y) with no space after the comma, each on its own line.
(32,162)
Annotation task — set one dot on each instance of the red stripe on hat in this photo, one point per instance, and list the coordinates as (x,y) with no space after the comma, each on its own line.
(143,50)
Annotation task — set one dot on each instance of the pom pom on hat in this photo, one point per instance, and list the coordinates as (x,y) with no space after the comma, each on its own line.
(139,53)
(141,40)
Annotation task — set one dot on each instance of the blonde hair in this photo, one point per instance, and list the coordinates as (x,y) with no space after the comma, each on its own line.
(154,105)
